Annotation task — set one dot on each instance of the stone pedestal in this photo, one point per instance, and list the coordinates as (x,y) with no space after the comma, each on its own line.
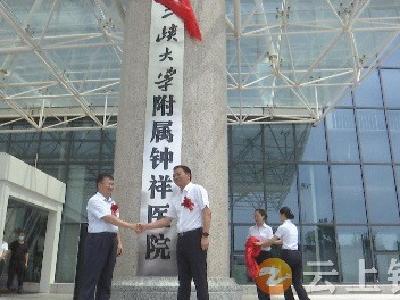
(204,145)
(165,288)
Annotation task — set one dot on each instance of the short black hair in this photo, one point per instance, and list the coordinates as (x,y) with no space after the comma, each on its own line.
(101,177)
(185,169)
(262,212)
(19,230)
(286,212)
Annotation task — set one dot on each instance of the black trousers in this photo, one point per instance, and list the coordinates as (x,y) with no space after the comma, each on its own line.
(192,264)
(16,268)
(99,261)
(260,258)
(293,259)
(2,264)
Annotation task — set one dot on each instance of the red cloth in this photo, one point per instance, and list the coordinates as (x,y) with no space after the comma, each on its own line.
(251,251)
(183,9)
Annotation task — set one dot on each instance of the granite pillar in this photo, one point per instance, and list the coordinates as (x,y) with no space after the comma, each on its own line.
(204,147)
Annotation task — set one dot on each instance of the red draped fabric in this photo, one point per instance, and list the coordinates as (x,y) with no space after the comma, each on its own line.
(251,251)
(183,9)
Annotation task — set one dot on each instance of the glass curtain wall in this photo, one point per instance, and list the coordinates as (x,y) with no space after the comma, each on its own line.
(341,178)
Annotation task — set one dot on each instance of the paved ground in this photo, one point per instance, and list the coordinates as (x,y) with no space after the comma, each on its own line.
(246,297)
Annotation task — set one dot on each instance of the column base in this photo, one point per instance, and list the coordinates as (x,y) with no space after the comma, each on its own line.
(165,288)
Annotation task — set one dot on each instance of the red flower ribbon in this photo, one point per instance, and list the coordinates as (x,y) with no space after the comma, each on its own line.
(114,209)
(183,9)
(251,251)
(187,203)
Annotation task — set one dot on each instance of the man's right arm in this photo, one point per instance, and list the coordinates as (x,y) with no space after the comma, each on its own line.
(163,222)
(117,222)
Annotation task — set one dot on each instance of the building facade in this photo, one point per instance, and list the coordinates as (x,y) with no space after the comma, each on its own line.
(341,178)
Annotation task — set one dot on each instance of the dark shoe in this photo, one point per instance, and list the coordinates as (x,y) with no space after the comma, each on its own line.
(20,290)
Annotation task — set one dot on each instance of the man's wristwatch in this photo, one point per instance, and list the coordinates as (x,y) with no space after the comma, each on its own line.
(205,234)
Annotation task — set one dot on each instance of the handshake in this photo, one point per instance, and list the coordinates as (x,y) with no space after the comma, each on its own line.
(139,228)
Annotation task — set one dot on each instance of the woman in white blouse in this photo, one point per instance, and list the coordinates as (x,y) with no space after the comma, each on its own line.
(263,233)
(288,234)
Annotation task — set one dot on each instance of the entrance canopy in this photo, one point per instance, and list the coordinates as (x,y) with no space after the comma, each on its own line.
(287,60)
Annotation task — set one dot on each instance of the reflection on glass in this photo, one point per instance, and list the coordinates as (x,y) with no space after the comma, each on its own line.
(85,146)
(281,190)
(24,146)
(341,135)
(383,262)
(373,136)
(353,245)
(312,140)
(390,85)
(368,93)
(381,196)
(246,143)
(241,233)
(315,194)
(67,252)
(386,238)
(348,195)
(346,100)
(394,130)
(397,174)
(318,245)
(279,143)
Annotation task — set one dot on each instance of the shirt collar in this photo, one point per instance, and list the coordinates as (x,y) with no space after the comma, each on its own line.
(287,221)
(104,198)
(188,187)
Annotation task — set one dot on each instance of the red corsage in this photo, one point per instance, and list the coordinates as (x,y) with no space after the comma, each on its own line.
(187,203)
(114,209)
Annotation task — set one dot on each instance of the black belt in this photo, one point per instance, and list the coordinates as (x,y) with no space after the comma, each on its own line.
(180,234)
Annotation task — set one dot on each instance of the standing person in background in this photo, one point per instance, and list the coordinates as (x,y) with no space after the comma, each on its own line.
(102,244)
(3,254)
(263,233)
(18,261)
(288,234)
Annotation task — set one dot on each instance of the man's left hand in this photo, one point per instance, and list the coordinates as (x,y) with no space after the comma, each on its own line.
(120,249)
(204,243)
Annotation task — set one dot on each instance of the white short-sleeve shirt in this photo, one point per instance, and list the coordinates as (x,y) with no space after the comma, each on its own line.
(289,235)
(98,207)
(4,247)
(188,219)
(262,233)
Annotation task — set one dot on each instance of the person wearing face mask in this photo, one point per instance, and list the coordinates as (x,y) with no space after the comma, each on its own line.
(18,261)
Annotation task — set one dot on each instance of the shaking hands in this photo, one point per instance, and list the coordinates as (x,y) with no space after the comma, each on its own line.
(139,228)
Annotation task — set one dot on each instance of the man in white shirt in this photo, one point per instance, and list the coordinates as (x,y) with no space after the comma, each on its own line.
(102,244)
(190,206)
(3,254)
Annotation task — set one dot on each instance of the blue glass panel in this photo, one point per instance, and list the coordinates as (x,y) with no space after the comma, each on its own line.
(368,93)
(393,117)
(341,135)
(349,204)
(315,194)
(373,138)
(381,196)
(390,87)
